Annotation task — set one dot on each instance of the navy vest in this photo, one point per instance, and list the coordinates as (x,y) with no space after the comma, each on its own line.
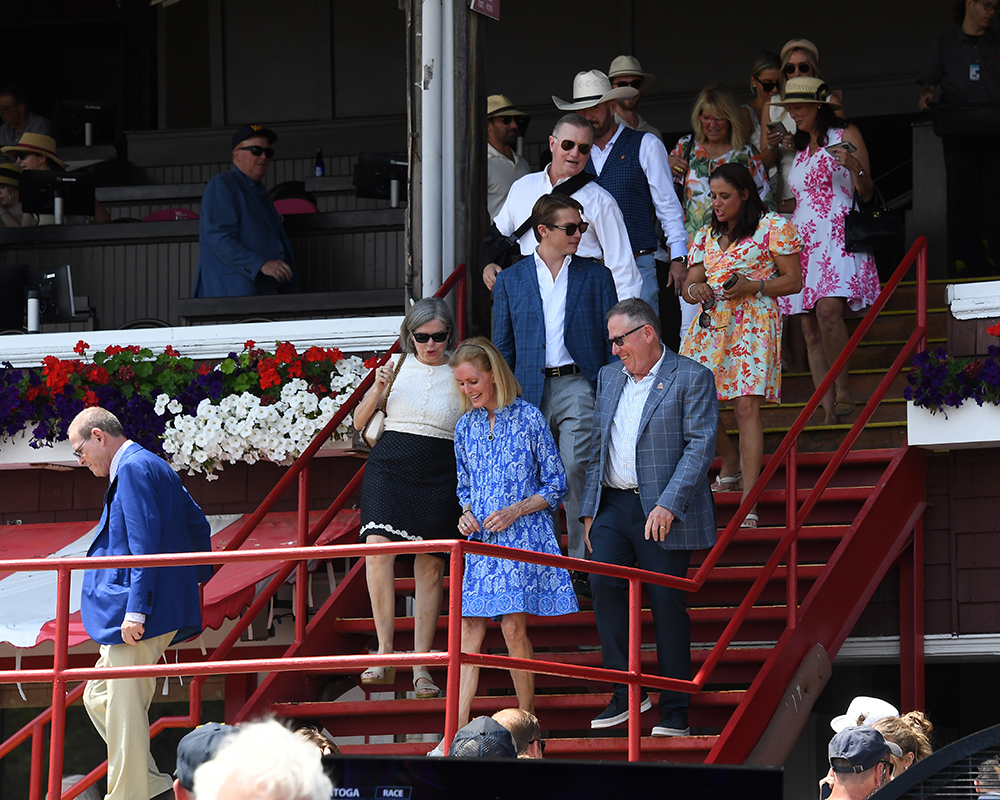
(623,178)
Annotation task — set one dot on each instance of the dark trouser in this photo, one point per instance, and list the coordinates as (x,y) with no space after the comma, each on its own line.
(973,167)
(617,538)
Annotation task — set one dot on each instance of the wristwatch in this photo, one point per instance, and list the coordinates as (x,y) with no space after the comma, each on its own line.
(682,259)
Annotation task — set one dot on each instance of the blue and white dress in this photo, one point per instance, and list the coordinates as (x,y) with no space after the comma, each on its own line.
(518,460)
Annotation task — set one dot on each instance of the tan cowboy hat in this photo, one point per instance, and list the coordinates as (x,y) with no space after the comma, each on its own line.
(807,90)
(10,175)
(34,143)
(627,65)
(591,89)
(497,105)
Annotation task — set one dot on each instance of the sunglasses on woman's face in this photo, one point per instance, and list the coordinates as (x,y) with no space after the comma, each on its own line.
(803,68)
(437,336)
(768,86)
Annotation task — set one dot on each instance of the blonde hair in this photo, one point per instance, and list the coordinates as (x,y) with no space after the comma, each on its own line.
(523,727)
(720,101)
(480,351)
(911,731)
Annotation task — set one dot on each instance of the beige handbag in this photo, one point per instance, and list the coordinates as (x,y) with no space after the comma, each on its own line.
(375,426)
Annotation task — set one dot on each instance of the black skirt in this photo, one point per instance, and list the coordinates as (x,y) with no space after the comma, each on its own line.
(409,490)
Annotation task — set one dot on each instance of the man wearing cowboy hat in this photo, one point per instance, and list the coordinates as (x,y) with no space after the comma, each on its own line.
(18,118)
(626,73)
(504,124)
(10,203)
(606,238)
(242,245)
(634,168)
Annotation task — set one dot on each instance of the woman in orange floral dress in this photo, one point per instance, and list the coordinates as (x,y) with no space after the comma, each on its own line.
(740,262)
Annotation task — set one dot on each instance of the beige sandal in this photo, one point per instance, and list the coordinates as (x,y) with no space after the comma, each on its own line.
(424,686)
(378,675)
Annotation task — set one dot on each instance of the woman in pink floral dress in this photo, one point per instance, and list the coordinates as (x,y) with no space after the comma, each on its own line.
(738,333)
(823,179)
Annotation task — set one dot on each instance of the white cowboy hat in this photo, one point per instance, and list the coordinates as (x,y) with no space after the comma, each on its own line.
(627,65)
(591,89)
(868,710)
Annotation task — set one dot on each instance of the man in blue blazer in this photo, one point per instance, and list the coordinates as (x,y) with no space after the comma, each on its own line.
(647,501)
(242,245)
(548,322)
(135,614)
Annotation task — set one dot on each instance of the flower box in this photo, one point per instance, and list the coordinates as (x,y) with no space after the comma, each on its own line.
(966,427)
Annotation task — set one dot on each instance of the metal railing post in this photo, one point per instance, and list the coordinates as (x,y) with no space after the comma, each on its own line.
(791,520)
(634,667)
(60,660)
(301,598)
(454,677)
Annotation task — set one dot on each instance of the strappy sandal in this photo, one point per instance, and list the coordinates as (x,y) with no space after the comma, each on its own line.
(378,675)
(751,521)
(730,484)
(424,686)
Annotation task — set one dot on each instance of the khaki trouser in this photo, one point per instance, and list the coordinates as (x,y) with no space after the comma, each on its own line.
(119,710)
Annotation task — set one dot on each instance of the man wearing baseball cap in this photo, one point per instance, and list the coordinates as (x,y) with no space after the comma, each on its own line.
(859,758)
(242,245)
(504,124)
(194,750)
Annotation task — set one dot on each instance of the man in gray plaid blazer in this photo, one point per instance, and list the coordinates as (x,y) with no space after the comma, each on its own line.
(647,500)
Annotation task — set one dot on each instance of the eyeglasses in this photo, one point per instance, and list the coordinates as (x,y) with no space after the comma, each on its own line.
(256,150)
(635,84)
(704,318)
(803,68)
(768,86)
(519,121)
(707,118)
(888,764)
(541,744)
(5,109)
(437,336)
(569,144)
(78,453)
(620,340)
(572,227)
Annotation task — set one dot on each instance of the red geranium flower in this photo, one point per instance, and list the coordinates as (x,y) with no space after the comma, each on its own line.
(285,352)
(169,351)
(81,347)
(89,398)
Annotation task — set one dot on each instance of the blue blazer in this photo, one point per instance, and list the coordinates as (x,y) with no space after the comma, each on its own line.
(519,321)
(238,231)
(147,511)
(674,450)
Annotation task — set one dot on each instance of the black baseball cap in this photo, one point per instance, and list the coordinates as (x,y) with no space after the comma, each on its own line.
(862,747)
(247,131)
(198,747)
(484,737)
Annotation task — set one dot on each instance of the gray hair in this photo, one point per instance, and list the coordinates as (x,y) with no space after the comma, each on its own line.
(574,119)
(265,761)
(637,312)
(423,311)
(96,417)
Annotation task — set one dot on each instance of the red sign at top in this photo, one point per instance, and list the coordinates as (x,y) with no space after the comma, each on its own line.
(490,8)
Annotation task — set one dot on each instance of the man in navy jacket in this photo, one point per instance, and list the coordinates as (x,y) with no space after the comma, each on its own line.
(548,322)
(242,245)
(134,614)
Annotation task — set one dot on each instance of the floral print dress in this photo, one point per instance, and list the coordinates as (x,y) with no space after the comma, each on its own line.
(823,195)
(742,346)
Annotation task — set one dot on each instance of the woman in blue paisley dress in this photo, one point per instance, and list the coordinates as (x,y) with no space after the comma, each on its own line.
(510,478)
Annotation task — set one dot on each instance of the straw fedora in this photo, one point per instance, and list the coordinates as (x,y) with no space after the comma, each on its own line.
(591,89)
(498,105)
(807,90)
(34,143)
(627,65)
(10,175)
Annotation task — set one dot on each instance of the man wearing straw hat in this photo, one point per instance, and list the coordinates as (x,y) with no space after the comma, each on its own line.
(10,201)
(626,73)
(504,124)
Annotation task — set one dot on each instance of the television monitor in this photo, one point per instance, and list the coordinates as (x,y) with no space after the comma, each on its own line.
(374,175)
(40,188)
(55,292)
(415,778)
(71,117)
(12,296)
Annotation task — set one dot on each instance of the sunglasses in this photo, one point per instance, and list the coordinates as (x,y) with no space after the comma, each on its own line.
(519,121)
(704,318)
(541,744)
(256,150)
(636,84)
(569,144)
(437,336)
(988,6)
(620,340)
(804,68)
(768,86)
(572,227)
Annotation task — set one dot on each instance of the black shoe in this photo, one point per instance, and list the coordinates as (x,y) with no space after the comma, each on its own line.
(673,722)
(617,710)
(581,584)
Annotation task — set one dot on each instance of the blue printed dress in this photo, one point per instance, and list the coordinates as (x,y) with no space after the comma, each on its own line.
(519,459)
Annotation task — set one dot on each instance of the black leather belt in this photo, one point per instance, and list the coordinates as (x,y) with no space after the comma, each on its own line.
(632,489)
(646,252)
(558,372)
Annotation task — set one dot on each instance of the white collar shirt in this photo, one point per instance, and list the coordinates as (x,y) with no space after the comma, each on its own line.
(619,469)
(116,460)
(553,292)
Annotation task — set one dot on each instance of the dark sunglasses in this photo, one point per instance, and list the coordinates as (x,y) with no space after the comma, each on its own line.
(256,150)
(768,86)
(803,69)
(541,744)
(519,121)
(636,84)
(620,340)
(572,227)
(569,144)
(437,336)
(704,318)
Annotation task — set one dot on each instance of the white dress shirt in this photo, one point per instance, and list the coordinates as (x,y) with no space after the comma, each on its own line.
(553,292)
(656,166)
(619,470)
(606,239)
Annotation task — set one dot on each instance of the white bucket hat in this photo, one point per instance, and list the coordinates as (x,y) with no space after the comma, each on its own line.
(868,709)
(591,89)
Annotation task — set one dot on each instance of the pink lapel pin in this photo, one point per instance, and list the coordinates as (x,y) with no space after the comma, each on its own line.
(659,386)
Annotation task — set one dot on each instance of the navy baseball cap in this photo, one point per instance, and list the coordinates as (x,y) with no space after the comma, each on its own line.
(247,131)
(484,737)
(198,747)
(862,747)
